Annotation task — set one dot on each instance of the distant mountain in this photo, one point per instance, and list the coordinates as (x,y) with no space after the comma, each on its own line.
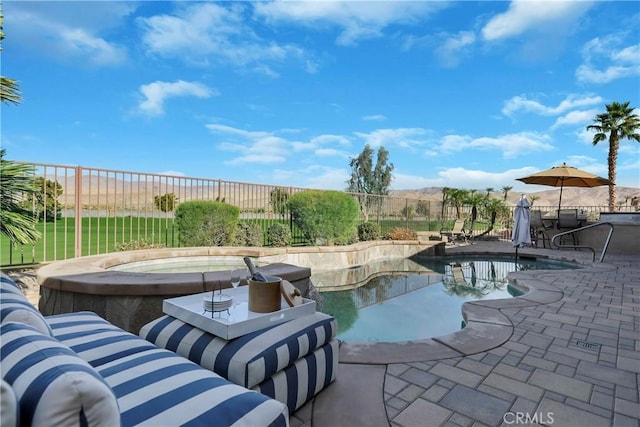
(571,196)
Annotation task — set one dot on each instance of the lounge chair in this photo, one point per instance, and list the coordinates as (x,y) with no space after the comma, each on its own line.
(456,232)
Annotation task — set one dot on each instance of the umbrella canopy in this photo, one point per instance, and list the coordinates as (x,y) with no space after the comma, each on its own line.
(565,176)
(521,234)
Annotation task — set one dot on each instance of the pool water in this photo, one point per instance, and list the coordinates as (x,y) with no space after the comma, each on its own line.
(402,307)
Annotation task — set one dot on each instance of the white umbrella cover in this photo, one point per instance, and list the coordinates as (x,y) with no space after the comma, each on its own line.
(521,234)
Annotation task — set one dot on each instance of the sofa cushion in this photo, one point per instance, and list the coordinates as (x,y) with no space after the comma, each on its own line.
(157,387)
(15,307)
(9,409)
(53,385)
(250,359)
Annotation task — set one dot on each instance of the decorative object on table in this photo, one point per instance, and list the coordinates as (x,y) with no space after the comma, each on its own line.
(217,302)
(564,176)
(291,294)
(265,297)
(264,291)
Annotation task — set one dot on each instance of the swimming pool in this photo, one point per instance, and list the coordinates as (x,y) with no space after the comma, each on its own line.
(404,307)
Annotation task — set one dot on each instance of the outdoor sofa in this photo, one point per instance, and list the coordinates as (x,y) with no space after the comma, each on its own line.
(77,369)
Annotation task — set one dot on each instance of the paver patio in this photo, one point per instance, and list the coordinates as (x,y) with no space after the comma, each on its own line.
(571,360)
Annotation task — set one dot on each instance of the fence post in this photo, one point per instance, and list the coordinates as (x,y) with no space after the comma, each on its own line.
(78,213)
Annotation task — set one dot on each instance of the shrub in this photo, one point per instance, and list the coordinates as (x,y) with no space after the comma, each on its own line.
(133,245)
(278,235)
(368,231)
(204,223)
(325,217)
(401,233)
(249,234)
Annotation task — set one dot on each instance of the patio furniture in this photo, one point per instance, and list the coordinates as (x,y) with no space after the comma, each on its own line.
(456,232)
(77,369)
(290,362)
(568,220)
(539,229)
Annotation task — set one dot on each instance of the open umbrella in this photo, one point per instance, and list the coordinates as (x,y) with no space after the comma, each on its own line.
(521,234)
(565,176)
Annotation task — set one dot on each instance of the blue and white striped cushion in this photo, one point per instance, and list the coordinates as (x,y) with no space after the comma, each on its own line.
(15,307)
(9,409)
(53,385)
(298,383)
(156,387)
(250,359)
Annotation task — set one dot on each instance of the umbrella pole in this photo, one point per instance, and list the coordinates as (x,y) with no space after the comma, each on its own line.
(560,201)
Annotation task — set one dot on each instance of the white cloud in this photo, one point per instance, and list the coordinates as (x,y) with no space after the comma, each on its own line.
(471,179)
(512,145)
(605,60)
(450,52)
(213,34)
(399,137)
(158,92)
(578,117)
(313,176)
(522,103)
(525,15)
(268,147)
(374,118)
(69,33)
(355,20)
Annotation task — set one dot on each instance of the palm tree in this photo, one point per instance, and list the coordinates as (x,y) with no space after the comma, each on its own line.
(9,90)
(506,190)
(16,184)
(619,122)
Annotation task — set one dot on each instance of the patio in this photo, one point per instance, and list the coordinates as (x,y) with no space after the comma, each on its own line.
(574,361)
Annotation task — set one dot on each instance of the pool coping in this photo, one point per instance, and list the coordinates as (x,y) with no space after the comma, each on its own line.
(486,326)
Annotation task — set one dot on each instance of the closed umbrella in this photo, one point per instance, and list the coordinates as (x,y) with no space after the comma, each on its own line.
(565,176)
(521,234)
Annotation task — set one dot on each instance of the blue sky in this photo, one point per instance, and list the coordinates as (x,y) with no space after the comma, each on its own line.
(462,94)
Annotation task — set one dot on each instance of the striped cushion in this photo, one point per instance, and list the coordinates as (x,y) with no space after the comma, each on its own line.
(9,409)
(156,387)
(15,307)
(250,359)
(53,385)
(298,383)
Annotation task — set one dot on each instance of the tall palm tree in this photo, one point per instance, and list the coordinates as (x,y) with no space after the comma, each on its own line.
(619,122)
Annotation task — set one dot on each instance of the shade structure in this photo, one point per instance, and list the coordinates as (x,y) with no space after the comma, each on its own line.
(521,234)
(565,176)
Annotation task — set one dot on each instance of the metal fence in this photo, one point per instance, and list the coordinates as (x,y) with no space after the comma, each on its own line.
(89,211)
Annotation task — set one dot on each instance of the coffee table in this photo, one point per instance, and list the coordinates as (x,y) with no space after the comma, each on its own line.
(237,320)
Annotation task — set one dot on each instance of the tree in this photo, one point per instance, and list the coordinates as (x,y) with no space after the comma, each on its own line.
(279,197)
(423,208)
(16,183)
(620,122)
(9,89)
(44,201)
(166,203)
(494,207)
(506,190)
(366,179)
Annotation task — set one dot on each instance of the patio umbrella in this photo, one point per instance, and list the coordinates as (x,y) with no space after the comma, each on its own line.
(521,234)
(565,176)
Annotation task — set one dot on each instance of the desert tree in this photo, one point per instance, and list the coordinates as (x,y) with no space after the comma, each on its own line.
(368,180)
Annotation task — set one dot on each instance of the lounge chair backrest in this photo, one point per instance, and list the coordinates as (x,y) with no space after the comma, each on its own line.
(568,218)
(458,226)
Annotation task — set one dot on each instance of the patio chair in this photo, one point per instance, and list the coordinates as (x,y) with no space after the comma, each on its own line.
(539,229)
(456,232)
(568,220)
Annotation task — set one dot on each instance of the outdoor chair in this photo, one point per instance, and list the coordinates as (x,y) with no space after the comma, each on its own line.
(568,220)
(456,232)
(539,229)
